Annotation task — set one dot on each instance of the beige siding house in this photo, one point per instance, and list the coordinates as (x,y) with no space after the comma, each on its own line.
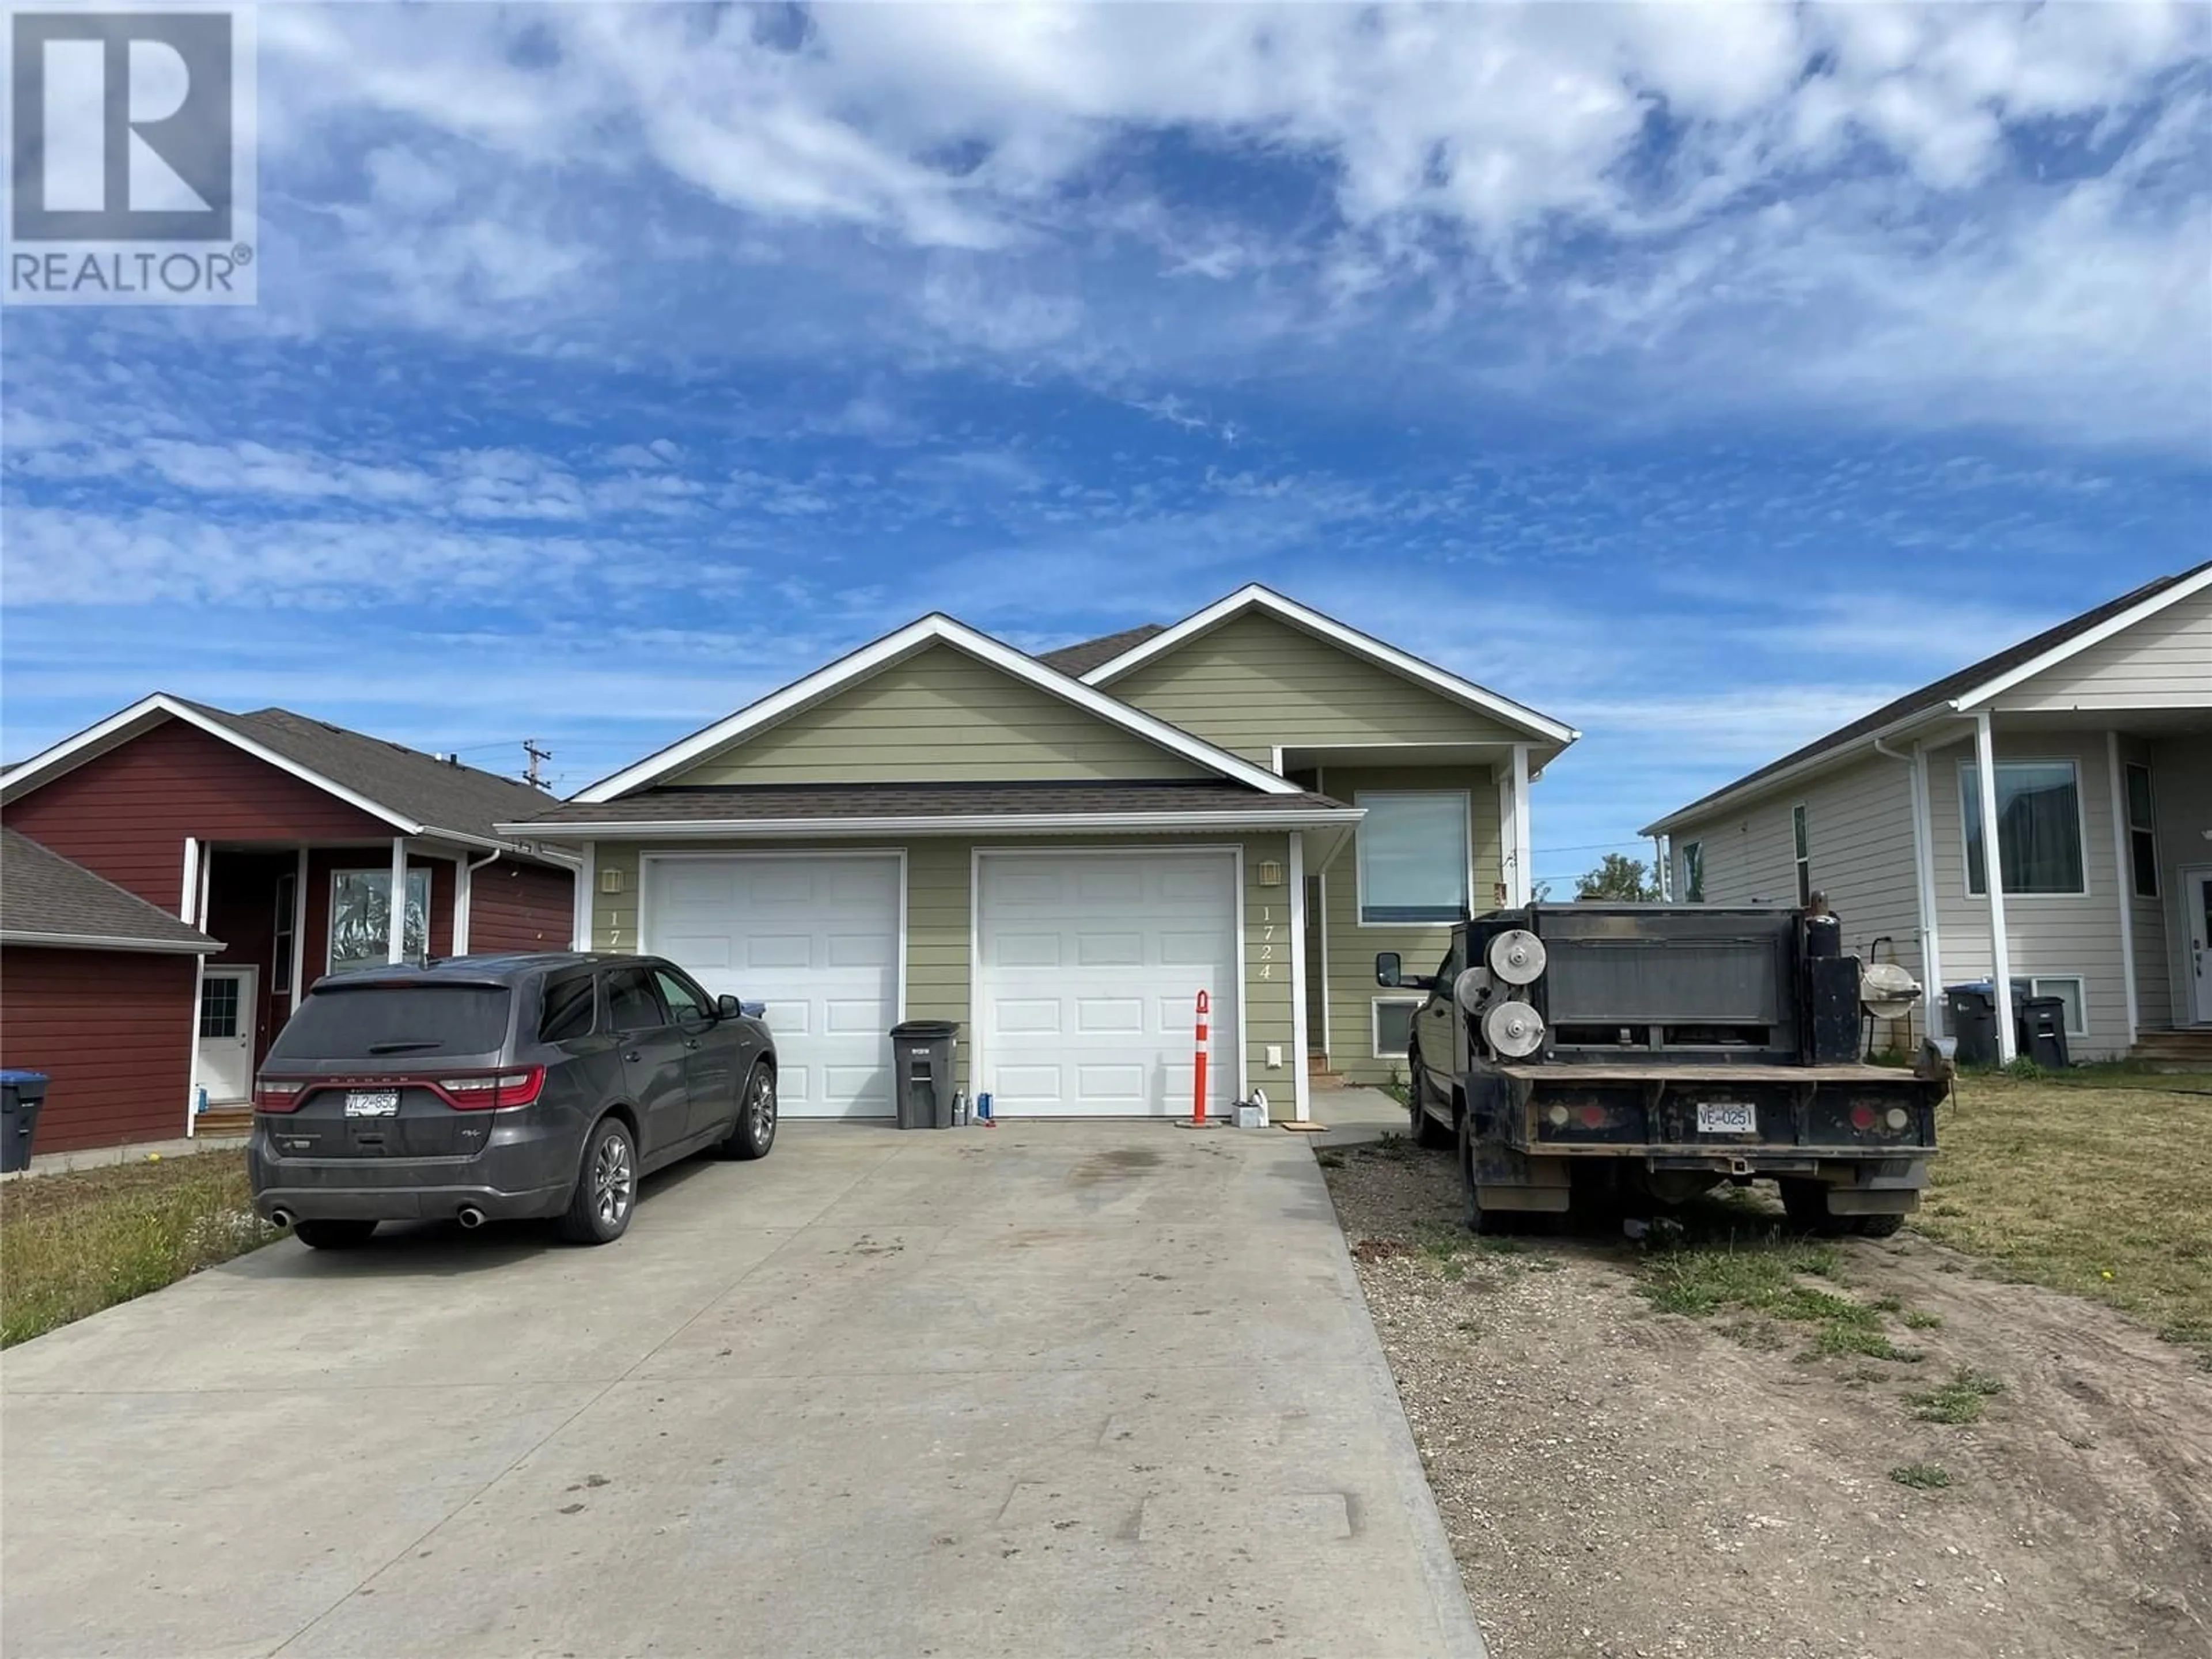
(1058,854)
(2089,745)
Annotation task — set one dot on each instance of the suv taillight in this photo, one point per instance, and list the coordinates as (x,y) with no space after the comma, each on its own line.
(278,1094)
(496,1093)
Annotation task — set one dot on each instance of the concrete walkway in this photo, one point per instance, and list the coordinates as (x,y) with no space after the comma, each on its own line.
(1047,1389)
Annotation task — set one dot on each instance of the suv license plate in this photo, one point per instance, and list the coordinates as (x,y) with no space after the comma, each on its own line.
(385,1103)
(1727,1117)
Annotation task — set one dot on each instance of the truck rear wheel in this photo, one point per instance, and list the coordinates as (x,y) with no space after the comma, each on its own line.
(1807,1204)
(1427,1131)
(1479,1221)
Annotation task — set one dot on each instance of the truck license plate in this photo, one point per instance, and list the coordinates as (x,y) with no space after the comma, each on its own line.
(1727,1117)
(383,1102)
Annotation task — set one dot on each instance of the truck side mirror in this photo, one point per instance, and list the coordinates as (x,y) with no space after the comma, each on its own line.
(1388,969)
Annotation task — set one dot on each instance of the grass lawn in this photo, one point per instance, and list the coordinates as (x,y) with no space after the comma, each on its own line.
(2103,1191)
(72,1244)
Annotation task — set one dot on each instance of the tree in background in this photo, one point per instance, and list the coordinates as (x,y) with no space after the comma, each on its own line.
(1621,879)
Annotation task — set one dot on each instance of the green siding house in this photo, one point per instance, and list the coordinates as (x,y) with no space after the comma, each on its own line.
(1060,852)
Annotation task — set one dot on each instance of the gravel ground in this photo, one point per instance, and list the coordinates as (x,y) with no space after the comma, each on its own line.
(1618,1481)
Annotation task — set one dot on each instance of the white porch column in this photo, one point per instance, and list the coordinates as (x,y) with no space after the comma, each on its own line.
(587,880)
(192,906)
(2122,878)
(464,882)
(395,944)
(1985,778)
(1662,875)
(1932,1009)
(1523,889)
(1301,1078)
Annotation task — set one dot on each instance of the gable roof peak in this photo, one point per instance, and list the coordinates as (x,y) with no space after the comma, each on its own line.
(935,627)
(1259,596)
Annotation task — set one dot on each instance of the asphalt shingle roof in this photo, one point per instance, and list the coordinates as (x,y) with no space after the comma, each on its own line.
(41,892)
(768,803)
(437,794)
(1954,685)
(1085,655)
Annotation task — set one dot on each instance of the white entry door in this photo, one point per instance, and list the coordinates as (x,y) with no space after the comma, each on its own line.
(226,1005)
(813,935)
(1088,974)
(2196,895)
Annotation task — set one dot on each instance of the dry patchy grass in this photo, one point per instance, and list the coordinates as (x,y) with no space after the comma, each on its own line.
(71,1244)
(2103,1192)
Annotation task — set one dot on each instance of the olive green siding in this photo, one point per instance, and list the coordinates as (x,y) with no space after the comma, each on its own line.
(1352,990)
(938,930)
(940,716)
(1254,685)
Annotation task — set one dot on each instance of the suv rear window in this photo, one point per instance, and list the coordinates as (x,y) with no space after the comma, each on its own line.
(377,1022)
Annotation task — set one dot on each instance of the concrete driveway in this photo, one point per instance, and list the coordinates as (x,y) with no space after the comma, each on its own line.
(1045,1389)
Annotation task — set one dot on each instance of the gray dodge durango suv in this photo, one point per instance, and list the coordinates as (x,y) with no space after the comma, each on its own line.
(494,1087)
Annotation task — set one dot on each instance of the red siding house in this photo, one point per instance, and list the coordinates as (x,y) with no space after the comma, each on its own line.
(278,840)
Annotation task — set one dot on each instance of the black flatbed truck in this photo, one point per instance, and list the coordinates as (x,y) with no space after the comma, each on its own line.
(1645,1052)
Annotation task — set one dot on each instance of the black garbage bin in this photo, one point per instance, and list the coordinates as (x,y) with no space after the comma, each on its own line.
(21,1094)
(2040,1031)
(921,1063)
(1973,1010)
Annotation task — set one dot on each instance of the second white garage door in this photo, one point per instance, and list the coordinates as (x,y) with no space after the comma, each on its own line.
(1090,966)
(816,937)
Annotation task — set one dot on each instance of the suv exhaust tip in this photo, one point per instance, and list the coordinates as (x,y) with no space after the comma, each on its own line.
(471,1217)
(281,1217)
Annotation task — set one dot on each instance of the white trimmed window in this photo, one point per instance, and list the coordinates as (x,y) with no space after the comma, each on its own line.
(2039,828)
(1413,856)
(2067,987)
(1393,1027)
(2142,835)
(1803,844)
(1693,871)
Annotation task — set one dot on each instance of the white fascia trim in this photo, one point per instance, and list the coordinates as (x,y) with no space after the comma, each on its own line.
(1336,633)
(525,848)
(95,740)
(980,823)
(1872,742)
(1964,705)
(103,942)
(935,629)
(2103,631)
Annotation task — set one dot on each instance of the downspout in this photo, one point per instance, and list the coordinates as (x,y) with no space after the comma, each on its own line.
(465,899)
(1924,879)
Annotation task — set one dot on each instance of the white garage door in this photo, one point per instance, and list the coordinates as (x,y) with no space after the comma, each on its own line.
(816,938)
(1092,964)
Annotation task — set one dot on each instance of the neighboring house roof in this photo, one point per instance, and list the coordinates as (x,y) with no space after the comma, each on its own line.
(877,808)
(936,628)
(1085,655)
(414,792)
(1147,647)
(46,900)
(1961,692)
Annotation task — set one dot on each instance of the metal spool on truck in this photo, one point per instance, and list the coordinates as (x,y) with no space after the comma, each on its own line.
(1644,1054)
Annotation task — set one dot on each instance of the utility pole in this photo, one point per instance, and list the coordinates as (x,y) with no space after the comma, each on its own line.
(531,775)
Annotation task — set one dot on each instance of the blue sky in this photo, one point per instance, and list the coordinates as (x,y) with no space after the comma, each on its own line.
(1700,377)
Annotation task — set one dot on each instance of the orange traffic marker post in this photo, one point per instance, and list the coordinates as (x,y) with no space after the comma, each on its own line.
(1197,1118)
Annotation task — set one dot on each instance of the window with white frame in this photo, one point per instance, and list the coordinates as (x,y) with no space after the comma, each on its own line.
(1413,848)
(1393,1027)
(2067,987)
(1803,848)
(2143,837)
(2038,827)
(361,918)
(1693,871)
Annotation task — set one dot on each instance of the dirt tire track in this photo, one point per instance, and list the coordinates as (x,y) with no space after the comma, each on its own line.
(1618,1482)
